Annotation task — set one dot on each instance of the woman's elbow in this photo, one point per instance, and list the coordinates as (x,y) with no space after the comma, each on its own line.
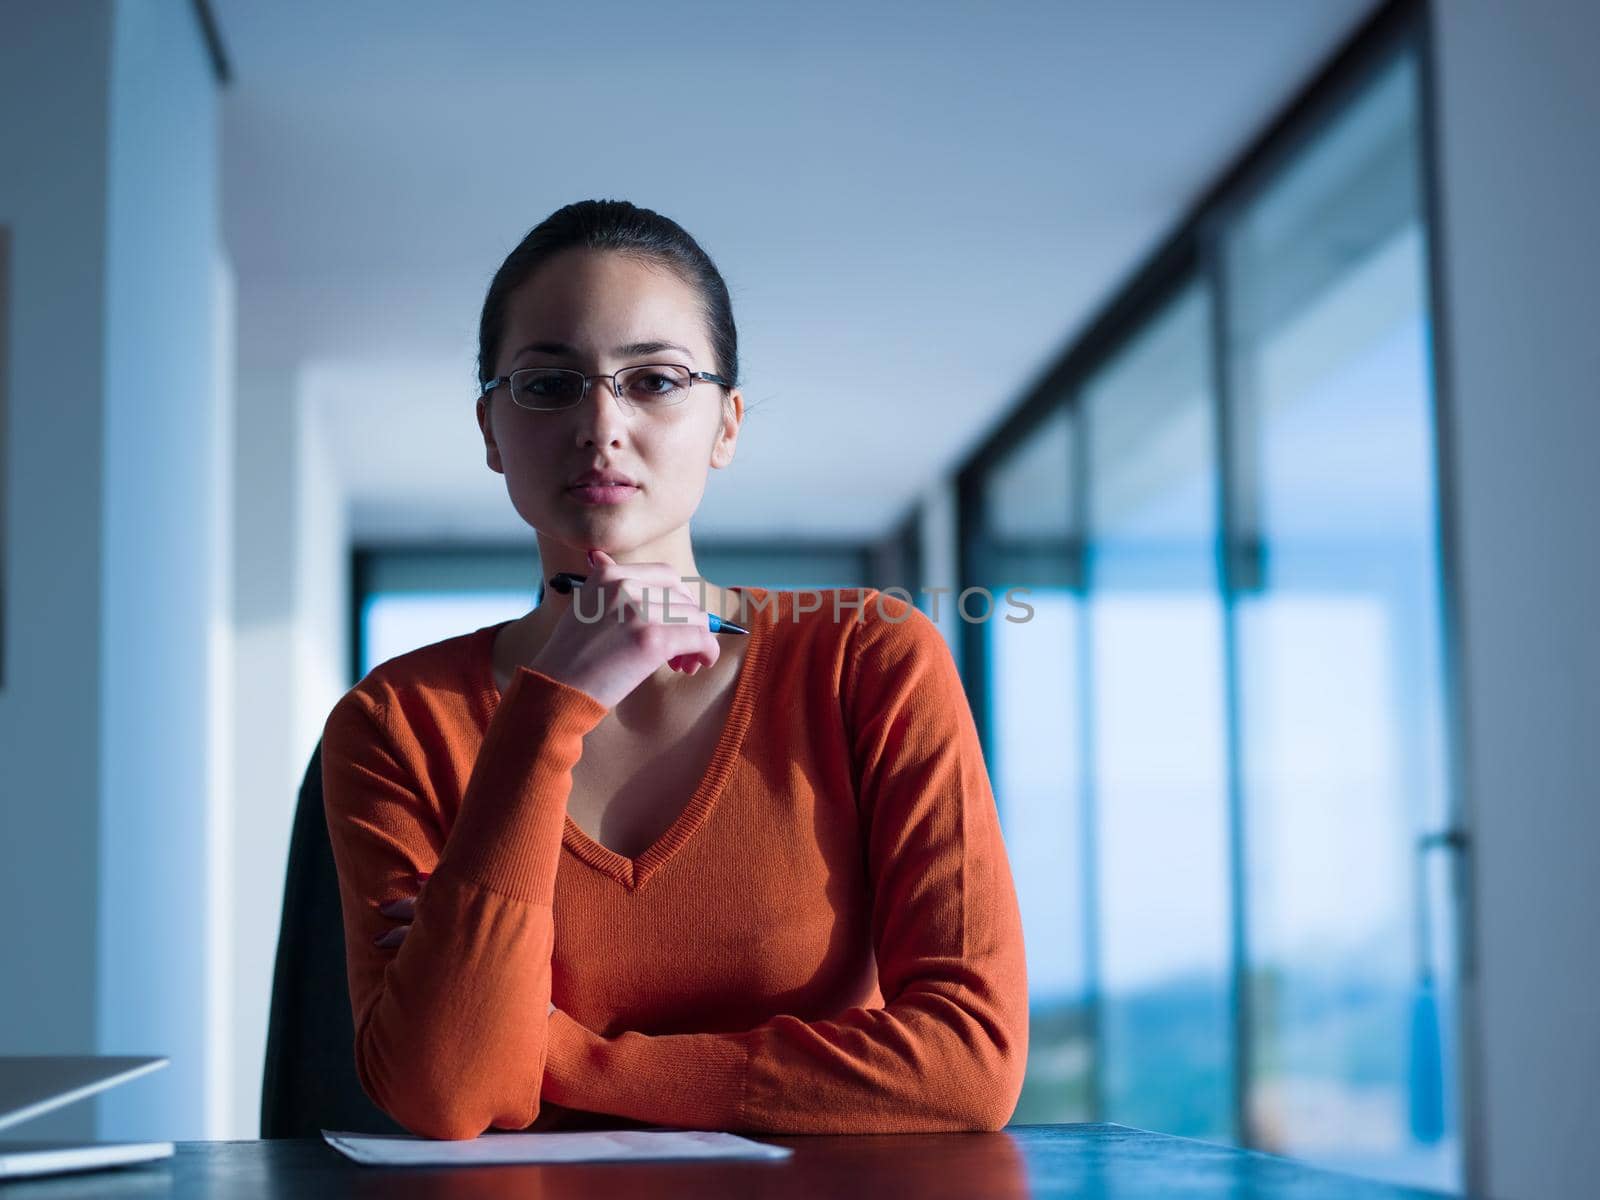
(447,1119)
(993,1107)
(981,1097)
(440,1124)
(446,1114)
(995,1114)
(989,1110)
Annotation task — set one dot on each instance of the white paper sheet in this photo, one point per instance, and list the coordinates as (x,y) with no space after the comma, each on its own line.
(601,1145)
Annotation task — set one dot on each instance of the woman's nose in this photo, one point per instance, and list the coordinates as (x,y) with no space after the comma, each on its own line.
(600,410)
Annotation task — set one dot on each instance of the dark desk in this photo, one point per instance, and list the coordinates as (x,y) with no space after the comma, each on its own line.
(1081,1161)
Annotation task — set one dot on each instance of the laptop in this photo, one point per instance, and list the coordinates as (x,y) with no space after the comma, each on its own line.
(34,1084)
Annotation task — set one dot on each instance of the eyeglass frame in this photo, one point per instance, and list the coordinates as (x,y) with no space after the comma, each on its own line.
(616,388)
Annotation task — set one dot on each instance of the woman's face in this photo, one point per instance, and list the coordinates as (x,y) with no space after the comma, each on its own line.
(580,308)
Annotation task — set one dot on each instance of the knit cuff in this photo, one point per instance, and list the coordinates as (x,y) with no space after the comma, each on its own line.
(688,1080)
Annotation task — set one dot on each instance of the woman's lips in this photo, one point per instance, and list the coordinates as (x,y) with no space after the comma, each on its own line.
(611,493)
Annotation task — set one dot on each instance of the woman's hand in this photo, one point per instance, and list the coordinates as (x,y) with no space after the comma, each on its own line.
(610,655)
(404,909)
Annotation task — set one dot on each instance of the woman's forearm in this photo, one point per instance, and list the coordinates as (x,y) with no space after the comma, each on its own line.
(450,1025)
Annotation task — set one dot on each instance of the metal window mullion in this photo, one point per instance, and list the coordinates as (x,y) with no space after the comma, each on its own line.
(1080,576)
(1233,542)
(1420,43)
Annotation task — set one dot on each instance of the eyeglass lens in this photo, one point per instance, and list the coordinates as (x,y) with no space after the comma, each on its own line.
(649,386)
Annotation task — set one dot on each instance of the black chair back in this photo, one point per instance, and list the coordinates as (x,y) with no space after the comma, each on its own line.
(310,1080)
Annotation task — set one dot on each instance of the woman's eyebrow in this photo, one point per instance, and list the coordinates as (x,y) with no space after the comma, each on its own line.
(631,350)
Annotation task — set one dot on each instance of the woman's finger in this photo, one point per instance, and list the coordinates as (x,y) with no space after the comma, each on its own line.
(647,587)
(389,939)
(685,606)
(405,907)
(657,602)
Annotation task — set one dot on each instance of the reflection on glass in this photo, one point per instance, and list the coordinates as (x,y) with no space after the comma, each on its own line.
(1034,759)
(1339,638)
(1158,745)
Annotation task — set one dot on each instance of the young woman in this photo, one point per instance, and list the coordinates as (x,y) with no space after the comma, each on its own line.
(752,883)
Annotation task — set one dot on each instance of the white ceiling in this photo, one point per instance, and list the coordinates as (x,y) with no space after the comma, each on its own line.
(916,206)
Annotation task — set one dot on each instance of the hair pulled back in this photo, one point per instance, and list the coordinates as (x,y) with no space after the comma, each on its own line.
(629,229)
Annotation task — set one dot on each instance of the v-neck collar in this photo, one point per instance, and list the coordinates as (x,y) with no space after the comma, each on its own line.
(634,873)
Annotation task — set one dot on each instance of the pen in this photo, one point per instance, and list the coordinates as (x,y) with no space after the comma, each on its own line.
(565,581)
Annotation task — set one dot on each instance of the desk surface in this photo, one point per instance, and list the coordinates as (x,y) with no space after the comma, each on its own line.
(1080,1161)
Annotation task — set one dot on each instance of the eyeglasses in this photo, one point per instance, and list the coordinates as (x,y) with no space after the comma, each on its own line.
(653,385)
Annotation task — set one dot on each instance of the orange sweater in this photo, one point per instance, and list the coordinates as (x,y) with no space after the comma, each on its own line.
(826,941)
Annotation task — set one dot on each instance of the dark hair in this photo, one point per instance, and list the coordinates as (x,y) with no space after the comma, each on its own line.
(612,225)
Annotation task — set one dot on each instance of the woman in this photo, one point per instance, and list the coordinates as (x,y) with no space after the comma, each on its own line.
(752,883)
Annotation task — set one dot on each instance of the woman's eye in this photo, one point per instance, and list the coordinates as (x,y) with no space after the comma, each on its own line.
(545,385)
(653,385)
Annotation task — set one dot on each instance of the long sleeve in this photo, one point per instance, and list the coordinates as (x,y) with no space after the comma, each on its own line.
(451,1025)
(948,1048)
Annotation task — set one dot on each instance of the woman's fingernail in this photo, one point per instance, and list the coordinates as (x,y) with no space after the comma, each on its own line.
(592,561)
(424,876)
(379,938)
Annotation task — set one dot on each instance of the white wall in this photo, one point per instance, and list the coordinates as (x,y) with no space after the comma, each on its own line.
(290,605)
(264,775)
(1518,107)
(323,578)
(110,183)
(160,414)
(53,169)
(221,948)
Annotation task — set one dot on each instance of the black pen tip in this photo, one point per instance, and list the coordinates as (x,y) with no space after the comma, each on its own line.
(563,581)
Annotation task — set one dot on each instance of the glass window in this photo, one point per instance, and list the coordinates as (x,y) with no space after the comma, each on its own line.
(1158,763)
(1220,751)
(411,598)
(1339,644)
(1033,755)
(394,622)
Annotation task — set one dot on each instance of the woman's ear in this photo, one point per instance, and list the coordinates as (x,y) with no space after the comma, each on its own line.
(727,438)
(490,445)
